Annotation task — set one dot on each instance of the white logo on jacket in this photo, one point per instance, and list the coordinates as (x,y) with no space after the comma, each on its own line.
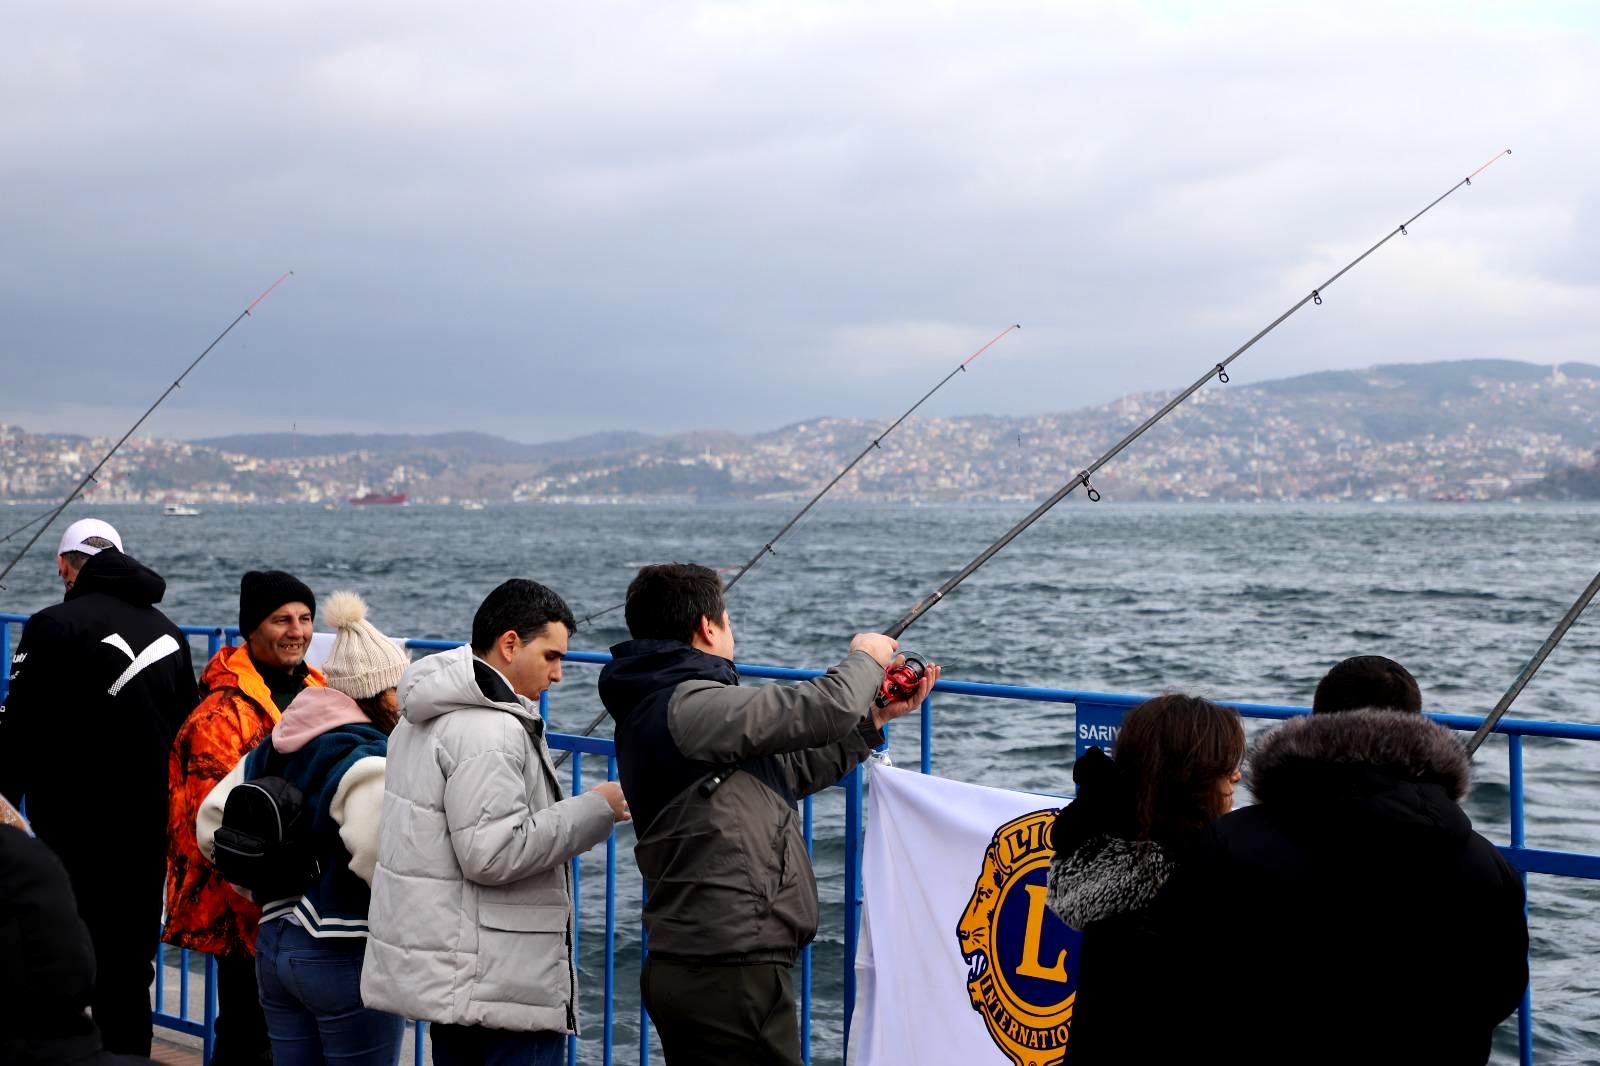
(159,649)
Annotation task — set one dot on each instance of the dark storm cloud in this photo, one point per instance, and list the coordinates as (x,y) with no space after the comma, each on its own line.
(547,220)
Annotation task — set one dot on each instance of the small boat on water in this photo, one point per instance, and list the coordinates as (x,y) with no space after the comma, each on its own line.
(179,510)
(471,505)
(378,498)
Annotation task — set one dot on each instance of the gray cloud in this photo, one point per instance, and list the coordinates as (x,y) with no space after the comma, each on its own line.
(544,220)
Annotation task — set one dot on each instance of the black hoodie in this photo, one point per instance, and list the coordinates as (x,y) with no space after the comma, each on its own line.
(99,685)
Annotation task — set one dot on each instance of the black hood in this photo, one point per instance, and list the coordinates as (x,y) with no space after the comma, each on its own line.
(122,576)
(1360,767)
(641,667)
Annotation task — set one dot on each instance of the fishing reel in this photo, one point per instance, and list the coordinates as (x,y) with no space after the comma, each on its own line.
(900,681)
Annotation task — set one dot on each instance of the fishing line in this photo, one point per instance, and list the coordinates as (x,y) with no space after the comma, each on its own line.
(177,383)
(767,548)
(1219,371)
(1549,645)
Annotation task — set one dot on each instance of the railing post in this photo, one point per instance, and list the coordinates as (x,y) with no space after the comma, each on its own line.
(926,726)
(805,955)
(577,884)
(210,1039)
(611,926)
(5,660)
(1519,830)
(852,895)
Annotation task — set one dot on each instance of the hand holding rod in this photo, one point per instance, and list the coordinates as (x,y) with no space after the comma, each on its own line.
(1218,371)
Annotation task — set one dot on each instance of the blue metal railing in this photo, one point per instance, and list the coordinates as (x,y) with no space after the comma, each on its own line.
(1089,706)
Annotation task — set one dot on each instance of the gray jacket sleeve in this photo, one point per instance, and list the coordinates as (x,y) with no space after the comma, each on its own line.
(815,769)
(719,723)
(497,836)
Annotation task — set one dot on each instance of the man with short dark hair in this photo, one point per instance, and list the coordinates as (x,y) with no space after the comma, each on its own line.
(714,772)
(246,689)
(470,926)
(100,683)
(1376,925)
(1367,681)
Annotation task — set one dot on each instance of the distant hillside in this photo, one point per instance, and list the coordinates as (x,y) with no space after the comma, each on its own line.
(1465,430)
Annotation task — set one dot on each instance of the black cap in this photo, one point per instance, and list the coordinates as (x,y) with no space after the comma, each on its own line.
(263,591)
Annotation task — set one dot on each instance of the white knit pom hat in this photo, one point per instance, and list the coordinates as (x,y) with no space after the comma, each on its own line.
(363,661)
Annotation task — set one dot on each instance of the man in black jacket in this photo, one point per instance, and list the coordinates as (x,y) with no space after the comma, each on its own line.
(99,684)
(1358,916)
(713,772)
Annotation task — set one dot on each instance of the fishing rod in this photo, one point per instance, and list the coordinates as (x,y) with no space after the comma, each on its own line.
(767,548)
(1549,645)
(177,383)
(1219,371)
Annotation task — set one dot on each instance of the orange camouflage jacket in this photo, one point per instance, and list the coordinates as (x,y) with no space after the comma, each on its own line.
(203,911)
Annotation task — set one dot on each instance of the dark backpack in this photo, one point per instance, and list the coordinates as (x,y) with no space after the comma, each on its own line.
(265,843)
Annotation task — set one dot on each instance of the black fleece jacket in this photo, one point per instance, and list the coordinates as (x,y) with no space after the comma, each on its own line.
(99,685)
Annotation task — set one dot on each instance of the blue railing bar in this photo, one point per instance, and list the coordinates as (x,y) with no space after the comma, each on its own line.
(1556,863)
(644,953)
(1510,726)
(852,895)
(161,977)
(805,954)
(577,892)
(925,736)
(210,1036)
(575,742)
(183,984)
(416,1044)
(5,659)
(1519,837)
(611,929)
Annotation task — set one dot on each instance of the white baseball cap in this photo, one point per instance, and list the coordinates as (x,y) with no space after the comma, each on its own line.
(77,534)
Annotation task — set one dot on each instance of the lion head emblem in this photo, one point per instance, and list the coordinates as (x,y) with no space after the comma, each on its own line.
(1021,958)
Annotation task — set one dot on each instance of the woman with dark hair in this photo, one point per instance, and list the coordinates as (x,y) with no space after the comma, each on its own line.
(1134,823)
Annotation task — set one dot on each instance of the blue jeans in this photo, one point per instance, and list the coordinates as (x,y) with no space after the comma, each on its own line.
(476,1045)
(311,993)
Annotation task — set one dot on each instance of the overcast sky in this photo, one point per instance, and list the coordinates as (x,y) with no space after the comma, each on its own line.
(541,220)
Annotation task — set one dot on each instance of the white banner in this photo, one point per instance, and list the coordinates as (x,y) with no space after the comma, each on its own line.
(960,960)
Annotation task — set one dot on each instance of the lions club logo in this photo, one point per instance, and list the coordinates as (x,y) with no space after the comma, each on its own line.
(1021,958)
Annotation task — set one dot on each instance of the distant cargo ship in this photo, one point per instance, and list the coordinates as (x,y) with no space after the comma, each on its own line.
(378,497)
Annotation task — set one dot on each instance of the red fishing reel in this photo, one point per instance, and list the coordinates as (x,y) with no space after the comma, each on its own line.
(900,681)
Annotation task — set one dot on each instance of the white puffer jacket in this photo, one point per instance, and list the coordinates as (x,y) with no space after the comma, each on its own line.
(471,919)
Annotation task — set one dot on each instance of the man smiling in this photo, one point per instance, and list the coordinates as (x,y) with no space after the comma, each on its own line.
(246,687)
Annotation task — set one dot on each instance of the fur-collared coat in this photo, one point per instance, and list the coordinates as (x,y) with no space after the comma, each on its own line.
(1358,916)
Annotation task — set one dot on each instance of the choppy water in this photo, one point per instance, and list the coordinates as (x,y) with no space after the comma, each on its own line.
(1238,602)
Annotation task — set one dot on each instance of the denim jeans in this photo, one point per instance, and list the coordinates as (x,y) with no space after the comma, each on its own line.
(475,1045)
(311,993)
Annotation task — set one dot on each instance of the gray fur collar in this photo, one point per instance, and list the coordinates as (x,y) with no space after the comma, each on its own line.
(1106,877)
(1407,746)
